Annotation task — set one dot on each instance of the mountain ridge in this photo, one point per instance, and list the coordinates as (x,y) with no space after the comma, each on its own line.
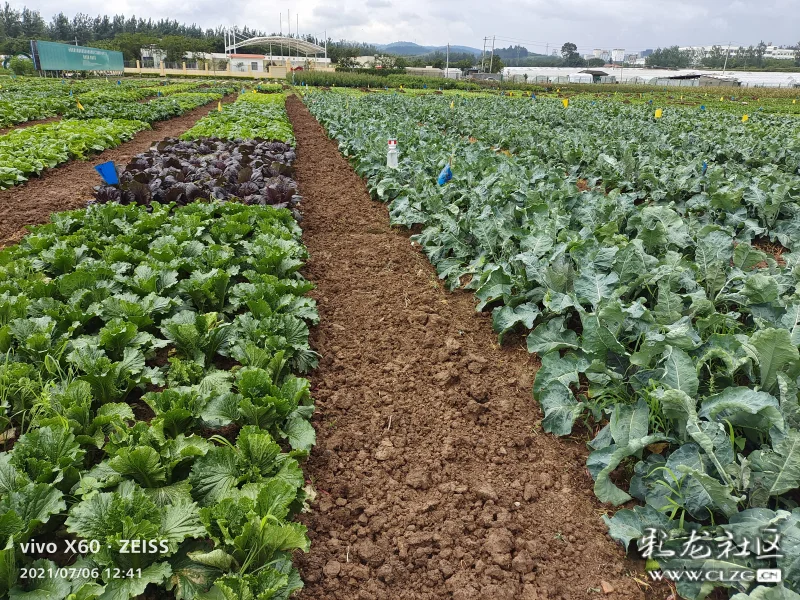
(411,49)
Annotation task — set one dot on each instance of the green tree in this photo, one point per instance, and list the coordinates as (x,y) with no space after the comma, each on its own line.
(130,44)
(671,57)
(495,64)
(760,50)
(569,52)
(21,65)
(595,62)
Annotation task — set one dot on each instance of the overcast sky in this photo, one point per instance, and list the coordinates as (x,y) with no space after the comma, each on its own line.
(629,24)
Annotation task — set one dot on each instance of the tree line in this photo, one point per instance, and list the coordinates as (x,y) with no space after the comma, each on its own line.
(719,57)
(130,34)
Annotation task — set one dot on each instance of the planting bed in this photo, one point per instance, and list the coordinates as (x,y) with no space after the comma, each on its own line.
(122,442)
(183,171)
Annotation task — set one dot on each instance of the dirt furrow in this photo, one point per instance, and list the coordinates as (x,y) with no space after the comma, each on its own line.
(70,185)
(27,124)
(434,479)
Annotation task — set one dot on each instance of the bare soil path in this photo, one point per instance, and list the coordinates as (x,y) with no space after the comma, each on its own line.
(434,480)
(71,184)
(27,124)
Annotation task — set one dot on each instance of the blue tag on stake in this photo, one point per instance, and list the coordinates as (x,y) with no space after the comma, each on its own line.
(446,175)
(108,171)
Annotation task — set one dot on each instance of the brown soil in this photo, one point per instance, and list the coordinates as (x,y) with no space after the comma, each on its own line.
(433,477)
(70,185)
(27,124)
(773,248)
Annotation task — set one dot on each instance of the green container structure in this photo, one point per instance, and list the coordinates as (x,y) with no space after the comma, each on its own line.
(52,56)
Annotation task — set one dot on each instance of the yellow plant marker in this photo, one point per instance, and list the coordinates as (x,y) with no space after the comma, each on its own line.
(254,91)
(565,102)
(745,118)
(721,99)
(681,98)
(659,112)
(452,104)
(558,91)
(80,106)
(219,106)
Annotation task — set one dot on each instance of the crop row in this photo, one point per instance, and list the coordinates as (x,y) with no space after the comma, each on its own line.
(32,150)
(665,312)
(157,109)
(29,100)
(118,331)
(252,117)
(183,171)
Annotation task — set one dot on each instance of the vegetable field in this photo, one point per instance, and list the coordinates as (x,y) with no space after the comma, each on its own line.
(650,263)
(622,376)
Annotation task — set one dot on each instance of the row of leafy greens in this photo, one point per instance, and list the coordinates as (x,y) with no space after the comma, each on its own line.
(26,99)
(649,260)
(148,370)
(253,116)
(30,151)
(157,109)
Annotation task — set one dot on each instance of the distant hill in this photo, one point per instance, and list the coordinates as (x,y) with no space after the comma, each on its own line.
(412,49)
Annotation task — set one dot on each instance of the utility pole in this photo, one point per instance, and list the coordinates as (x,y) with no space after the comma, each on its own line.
(447,61)
(326,43)
(725,66)
(483,55)
(491,60)
(280,16)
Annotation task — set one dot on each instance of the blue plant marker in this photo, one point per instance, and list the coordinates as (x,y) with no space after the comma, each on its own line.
(424,86)
(650,101)
(70,93)
(242,90)
(63,81)
(108,171)
(705,167)
(119,82)
(702,107)
(593,102)
(446,175)
(533,96)
(159,93)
